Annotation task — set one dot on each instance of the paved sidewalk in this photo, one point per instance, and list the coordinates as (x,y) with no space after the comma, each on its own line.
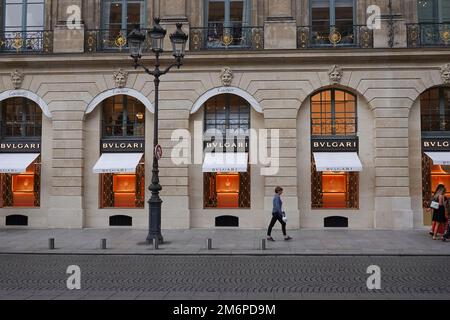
(232,241)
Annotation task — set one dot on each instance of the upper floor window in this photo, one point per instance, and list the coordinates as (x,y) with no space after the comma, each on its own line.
(227,23)
(21,15)
(332,21)
(433,11)
(333,112)
(435,110)
(123,116)
(123,15)
(21,118)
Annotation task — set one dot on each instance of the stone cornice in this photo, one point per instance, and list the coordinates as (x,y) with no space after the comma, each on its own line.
(205,58)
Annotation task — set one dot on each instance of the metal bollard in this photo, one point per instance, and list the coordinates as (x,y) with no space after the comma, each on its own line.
(155,244)
(51,243)
(263,244)
(103,244)
(208,244)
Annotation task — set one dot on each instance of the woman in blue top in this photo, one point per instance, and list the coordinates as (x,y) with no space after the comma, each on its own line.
(277,215)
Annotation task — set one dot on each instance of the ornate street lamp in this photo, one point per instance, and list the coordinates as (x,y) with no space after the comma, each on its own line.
(136,41)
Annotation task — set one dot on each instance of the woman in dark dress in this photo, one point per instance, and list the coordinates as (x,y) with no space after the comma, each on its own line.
(439,214)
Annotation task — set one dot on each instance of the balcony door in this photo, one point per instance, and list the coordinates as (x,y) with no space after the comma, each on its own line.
(119,18)
(433,11)
(23,25)
(226,21)
(332,22)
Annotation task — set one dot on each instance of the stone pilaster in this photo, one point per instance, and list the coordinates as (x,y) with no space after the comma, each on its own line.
(173,177)
(285,121)
(280,28)
(69,38)
(392,191)
(67,208)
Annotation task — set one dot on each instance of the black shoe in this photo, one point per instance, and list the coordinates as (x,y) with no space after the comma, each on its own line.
(287,238)
(431,233)
(270,239)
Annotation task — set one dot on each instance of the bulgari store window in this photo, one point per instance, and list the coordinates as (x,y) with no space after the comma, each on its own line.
(335,163)
(435,122)
(20,147)
(121,165)
(226,172)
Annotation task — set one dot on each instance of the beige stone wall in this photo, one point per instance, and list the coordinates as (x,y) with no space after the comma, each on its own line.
(387,88)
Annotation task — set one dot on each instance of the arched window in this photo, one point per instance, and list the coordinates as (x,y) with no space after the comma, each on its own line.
(21,118)
(435,110)
(221,188)
(333,118)
(123,116)
(21,130)
(333,113)
(123,120)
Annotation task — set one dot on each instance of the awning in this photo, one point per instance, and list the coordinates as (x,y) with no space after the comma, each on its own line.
(225,162)
(439,158)
(16,162)
(118,163)
(337,161)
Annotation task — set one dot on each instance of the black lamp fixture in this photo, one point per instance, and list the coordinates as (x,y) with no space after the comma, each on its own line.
(137,43)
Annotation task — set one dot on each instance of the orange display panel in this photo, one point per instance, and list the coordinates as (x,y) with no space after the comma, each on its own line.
(124,183)
(227,183)
(23,199)
(228,200)
(334,183)
(23,183)
(124,200)
(334,200)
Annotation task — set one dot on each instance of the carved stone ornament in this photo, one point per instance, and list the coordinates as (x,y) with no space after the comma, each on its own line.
(445,73)
(17,79)
(120,78)
(335,73)
(226,76)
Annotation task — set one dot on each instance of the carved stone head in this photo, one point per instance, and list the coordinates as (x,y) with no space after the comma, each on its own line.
(120,78)
(445,73)
(226,76)
(17,79)
(335,73)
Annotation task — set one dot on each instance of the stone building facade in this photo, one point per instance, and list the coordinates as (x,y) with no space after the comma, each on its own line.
(279,67)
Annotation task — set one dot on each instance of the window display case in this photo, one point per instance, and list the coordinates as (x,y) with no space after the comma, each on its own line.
(227,187)
(124,187)
(23,190)
(334,188)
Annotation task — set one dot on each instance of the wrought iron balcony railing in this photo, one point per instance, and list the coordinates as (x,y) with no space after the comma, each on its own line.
(334,36)
(109,40)
(428,35)
(220,37)
(23,41)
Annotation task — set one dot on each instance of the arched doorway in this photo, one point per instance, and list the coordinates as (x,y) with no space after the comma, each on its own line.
(226,183)
(335,160)
(435,153)
(20,148)
(116,129)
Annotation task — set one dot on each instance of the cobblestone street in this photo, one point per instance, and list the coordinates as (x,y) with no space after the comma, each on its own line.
(223,277)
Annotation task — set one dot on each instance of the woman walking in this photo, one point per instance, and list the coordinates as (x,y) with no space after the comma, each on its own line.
(439,213)
(277,215)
